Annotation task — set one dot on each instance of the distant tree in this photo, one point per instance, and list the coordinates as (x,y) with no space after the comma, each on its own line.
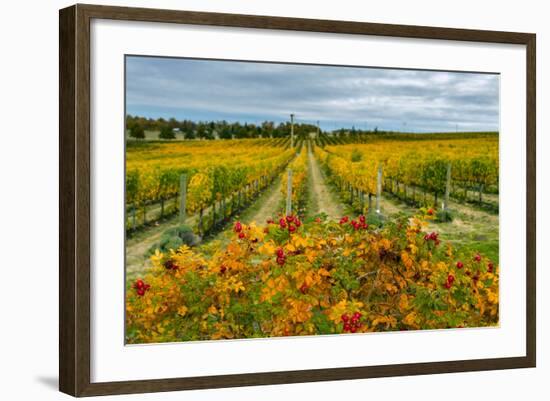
(226,132)
(167,133)
(137,131)
(173,123)
(201,130)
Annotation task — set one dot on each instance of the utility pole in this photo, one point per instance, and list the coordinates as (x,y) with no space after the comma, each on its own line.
(318,130)
(291,130)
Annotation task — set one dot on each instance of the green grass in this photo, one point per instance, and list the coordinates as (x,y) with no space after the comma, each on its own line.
(472,232)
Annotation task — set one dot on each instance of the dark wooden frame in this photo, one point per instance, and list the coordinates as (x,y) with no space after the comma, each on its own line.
(74,199)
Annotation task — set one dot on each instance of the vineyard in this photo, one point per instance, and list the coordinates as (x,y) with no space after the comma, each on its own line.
(413,166)
(247,248)
(225,175)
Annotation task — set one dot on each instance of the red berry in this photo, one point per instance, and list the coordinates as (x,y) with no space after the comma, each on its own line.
(270,221)
(353,329)
(447,285)
(344,318)
(347,327)
(357,315)
(303,288)
(490,267)
(297,222)
(459,265)
(146,287)
(141,292)
(362,219)
(280,252)
(241,235)
(477,258)
(282,223)
(238,227)
(289,219)
(317,219)
(281,261)
(450,278)
(222,269)
(291,228)
(139,284)
(430,212)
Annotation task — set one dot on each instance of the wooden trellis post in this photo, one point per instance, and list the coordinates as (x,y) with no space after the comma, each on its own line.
(447,188)
(378,189)
(289,193)
(183,197)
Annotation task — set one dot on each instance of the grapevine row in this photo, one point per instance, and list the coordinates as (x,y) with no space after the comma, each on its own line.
(214,172)
(409,165)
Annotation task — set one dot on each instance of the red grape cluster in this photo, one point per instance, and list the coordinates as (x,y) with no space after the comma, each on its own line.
(292,223)
(450,280)
(360,223)
(141,287)
(351,323)
(239,230)
(433,236)
(281,258)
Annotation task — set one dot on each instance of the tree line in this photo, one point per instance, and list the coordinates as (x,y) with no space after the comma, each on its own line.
(187,129)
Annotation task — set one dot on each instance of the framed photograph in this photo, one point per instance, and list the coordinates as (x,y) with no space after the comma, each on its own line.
(250,200)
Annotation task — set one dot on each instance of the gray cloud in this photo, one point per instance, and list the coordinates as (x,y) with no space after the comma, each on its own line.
(336,96)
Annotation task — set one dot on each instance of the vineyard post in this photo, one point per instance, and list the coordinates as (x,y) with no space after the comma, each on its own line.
(480,193)
(214,213)
(378,189)
(183,197)
(447,187)
(370,202)
(200,221)
(289,193)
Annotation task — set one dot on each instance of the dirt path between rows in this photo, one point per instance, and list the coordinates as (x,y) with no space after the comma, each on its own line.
(270,203)
(325,199)
(136,247)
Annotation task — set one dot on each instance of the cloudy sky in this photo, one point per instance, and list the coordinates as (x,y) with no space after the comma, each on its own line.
(405,100)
